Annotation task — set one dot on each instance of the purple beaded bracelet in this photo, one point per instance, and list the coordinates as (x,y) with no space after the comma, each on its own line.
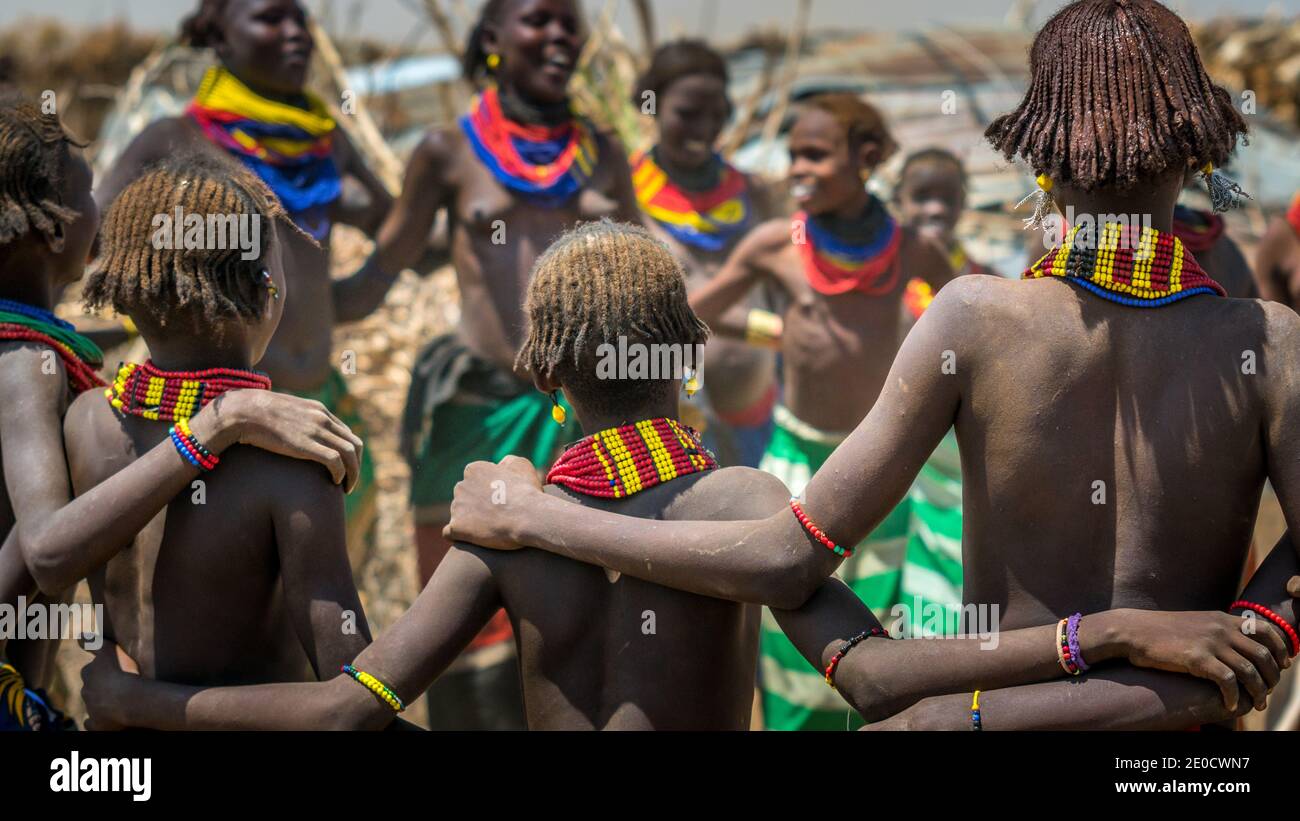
(1072,637)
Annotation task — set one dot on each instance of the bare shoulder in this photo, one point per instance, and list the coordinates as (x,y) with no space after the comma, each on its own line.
(32,371)
(770,235)
(292,482)
(164,135)
(1281,327)
(94,440)
(733,494)
(438,151)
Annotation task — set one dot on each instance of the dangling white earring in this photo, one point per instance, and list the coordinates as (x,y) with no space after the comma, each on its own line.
(1224,192)
(1043,203)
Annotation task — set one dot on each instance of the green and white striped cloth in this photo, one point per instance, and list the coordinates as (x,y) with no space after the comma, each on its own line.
(915,551)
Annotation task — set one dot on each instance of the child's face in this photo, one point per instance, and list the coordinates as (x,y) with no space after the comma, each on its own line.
(690,116)
(931,199)
(266,44)
(825,173)
(538,42)
(261,330)
(80,233)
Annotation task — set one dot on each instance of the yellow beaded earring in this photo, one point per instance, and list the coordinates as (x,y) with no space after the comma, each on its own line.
(557,410)
(692,382)
(493,62)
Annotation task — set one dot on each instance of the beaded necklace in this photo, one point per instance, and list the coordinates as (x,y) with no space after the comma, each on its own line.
(709,220)
(548,164)
(835,266)
(1158,272)
(21,322)
(618,462)
(175,396)
(1293,214)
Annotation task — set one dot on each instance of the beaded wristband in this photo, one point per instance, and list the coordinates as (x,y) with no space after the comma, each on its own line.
(1072,636)
(816,531)
(1292,637)
(844,651)
(1063,649)
(374,685)
(182,449)
(975,722)
(193,447)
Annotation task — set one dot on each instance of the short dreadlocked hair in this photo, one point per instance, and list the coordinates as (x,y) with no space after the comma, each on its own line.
(33,160)
(597,282)
(202,29)
(1117,96)
(862,122)
(202,285)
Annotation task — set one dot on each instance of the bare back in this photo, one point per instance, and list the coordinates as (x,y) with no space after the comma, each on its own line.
(1112,456)
(201,595)
(605,651)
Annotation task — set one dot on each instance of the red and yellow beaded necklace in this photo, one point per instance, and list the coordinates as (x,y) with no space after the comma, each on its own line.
(175,396)
(618,462)
(1293,214)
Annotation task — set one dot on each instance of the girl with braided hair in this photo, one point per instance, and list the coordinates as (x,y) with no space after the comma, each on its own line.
(244,577)
(254,106)
(1117,419)
(47,221)
(517,170)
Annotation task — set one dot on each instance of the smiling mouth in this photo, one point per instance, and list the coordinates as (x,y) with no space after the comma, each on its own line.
(801,190)
(560,61)
(696,146)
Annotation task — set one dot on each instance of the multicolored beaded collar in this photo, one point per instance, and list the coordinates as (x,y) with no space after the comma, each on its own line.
(1198,230)
(290,148)
(1156,272)
(1293,214)
(548,164)
(708,220)
(619,462)
(175,396)
(21,322)
(834,266)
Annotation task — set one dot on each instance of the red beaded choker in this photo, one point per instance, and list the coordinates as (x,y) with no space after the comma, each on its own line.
(618,462)
(148,391)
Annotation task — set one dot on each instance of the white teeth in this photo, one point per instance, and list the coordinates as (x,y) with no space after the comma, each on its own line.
(802,189)
(696,145)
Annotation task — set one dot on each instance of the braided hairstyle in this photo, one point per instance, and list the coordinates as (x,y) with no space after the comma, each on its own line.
(33,161)
(1117,97)
(862,122)
(202,29)
(597,282)
(138,276)
(675,60)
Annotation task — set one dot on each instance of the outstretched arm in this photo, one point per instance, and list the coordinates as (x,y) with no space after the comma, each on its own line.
(404,235)
(735,279)
(1126,698)
(456,603)
(770,561)
(367,213)
(63,539)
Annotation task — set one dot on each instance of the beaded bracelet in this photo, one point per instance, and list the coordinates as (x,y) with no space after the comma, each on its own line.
(816,531)
(763,328)
(1063,654)
(1072,636)
(374,685)
(1292,637)
(190,447)
(975,722)
(844,650)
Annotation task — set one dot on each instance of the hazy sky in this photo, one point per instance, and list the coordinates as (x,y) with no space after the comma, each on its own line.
(400,19)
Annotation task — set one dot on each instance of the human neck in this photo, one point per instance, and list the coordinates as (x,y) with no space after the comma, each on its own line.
(521,110)
(29,278)
(296,98)
(853,220)
(592,422)
(196,354)
(1157,206)
(700,178)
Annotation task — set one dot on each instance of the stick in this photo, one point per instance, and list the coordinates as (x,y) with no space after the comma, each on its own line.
(788,73)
